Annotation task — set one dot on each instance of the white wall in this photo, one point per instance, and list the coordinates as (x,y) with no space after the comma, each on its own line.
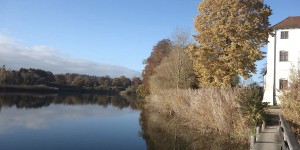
(292,45)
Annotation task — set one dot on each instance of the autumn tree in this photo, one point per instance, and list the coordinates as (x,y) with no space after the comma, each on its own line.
(229,36)
(176,69)
(135,81)
(160,50)
(78,80)
(126,82)
(60,78)
(117,82)
(70,77)
(106,80)
(2,75)
(12,77)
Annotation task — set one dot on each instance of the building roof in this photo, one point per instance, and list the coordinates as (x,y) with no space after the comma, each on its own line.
(288,23)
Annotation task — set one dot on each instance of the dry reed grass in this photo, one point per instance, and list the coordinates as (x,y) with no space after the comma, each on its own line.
(167,133)
(203,110)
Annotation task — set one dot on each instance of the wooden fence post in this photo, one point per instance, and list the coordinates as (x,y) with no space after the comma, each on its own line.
(252,141)
(263,126)
(257,132)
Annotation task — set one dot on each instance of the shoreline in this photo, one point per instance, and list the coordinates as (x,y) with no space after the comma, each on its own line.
(55,89)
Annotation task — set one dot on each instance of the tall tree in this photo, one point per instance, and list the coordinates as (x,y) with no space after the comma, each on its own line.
(126,82)
(176,69)
(230,34)
(160,50)
(2,75)
(117,82)
(60,78)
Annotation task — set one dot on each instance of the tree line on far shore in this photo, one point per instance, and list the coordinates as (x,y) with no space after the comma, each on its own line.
(68,81)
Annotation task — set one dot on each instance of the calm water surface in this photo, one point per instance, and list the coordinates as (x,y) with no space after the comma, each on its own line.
(57,122)
(80,122)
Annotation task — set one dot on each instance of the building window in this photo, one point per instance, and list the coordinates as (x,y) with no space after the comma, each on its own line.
(283,83)
(284,56)
(284,35)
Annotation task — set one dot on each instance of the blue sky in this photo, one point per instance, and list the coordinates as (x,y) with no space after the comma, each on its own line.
(115,32)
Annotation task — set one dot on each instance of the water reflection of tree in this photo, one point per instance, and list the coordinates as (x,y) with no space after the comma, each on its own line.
(165,133)
(37,101)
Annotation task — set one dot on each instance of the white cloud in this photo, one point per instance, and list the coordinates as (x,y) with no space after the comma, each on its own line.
(15,55)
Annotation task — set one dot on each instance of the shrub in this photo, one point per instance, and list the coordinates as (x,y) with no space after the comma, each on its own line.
(290,99)
(141,92)
(251,106)
(131,90)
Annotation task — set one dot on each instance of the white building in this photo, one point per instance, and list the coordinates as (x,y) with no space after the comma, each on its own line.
(283,52)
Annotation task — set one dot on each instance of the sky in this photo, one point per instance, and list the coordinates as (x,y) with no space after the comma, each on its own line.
(111,34)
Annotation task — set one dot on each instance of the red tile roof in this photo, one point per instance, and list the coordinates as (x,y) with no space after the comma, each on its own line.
(288,23)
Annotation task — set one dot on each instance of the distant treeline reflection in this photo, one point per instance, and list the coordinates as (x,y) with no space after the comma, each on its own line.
(43,100)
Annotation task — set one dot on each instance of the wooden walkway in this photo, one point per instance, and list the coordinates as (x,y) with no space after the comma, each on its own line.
(269,138)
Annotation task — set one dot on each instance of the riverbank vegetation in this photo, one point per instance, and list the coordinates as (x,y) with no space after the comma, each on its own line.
(162,132)
(290,100)
(37,80)
(233,111)
(197,84)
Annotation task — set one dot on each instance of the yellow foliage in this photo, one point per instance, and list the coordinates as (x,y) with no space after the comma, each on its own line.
(290,100)
(229,35)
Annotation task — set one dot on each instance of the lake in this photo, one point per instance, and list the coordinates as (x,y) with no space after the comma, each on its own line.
(54,122)
(79,122)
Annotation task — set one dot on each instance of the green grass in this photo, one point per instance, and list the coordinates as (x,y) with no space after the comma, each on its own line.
(275,107)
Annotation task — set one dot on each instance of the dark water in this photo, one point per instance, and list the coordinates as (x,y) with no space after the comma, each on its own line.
(56,122)
(80,122)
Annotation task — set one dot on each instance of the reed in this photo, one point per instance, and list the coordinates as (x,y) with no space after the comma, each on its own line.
(203,110)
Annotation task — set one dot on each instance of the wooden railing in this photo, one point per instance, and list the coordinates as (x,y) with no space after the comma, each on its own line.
(253,138)
(288,139)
